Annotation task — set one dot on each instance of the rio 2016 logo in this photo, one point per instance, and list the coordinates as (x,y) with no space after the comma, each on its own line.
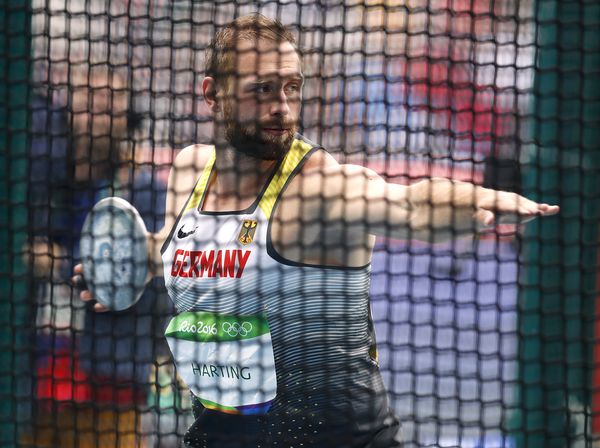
(198,327)
(234,329)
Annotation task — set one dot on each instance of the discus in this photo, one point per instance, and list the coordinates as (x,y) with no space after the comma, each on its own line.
(114,253)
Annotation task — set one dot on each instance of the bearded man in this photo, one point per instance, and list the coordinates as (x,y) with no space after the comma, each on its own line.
(266,254)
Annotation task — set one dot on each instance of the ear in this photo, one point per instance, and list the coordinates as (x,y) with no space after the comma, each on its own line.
(209,90)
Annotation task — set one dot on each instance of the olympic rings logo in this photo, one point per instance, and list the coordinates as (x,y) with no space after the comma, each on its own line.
(234,329)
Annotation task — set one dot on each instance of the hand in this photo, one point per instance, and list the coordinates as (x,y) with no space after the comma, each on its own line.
(78,281)
(501,207)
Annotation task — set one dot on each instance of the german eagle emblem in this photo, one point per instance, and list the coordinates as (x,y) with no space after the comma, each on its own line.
(247,232)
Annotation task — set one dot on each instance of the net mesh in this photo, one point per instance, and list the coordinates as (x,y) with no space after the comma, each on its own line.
(479,343)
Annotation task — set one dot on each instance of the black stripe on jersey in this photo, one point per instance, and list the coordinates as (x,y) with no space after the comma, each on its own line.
(252,206)
(271,249)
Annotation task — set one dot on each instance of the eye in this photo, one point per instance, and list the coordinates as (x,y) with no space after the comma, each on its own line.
(292,87)
(262,88)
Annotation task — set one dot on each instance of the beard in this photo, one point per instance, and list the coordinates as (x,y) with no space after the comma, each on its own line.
(251,141)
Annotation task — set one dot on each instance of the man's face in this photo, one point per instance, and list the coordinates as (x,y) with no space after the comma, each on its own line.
(261,107)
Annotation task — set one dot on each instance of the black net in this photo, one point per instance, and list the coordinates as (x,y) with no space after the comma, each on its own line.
(287,323)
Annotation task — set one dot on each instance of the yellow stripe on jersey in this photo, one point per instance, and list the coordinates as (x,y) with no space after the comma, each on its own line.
(296,153)
(298,150)
(198,192)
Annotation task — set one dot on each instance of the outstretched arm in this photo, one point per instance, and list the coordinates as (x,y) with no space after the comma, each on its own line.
(431,210)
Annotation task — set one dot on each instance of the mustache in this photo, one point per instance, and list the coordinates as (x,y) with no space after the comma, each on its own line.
(278,125)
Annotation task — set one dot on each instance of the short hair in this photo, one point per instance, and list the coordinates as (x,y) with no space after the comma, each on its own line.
(222,51)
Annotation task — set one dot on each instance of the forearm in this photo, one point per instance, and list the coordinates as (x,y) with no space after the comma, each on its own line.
(431,210)
(442,209)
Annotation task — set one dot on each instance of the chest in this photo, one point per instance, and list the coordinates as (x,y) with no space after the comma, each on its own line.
(288,221)
(216,245)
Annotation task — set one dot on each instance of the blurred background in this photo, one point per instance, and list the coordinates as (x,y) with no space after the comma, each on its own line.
(484,343)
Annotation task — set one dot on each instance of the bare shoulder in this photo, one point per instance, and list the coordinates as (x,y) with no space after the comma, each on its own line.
(186,170)
(193,157)
(187,167)
(324,173)
(319,165)
(325,164)
(318,162)
(310,179)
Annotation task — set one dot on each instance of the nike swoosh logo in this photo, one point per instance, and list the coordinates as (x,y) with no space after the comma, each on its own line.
(181,234)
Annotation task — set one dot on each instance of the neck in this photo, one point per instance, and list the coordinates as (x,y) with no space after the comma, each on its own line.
(238,174)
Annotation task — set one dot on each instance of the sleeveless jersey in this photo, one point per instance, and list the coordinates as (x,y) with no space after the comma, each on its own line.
(289,344)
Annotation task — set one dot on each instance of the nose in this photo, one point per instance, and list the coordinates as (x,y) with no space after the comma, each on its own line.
(280,106)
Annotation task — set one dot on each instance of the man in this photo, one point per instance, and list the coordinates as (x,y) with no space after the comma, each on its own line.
(266,254)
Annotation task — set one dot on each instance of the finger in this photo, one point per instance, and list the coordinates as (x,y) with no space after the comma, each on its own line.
(78,281)
(513,203)
(527,207)
(528,212)
(548,210)
(539,210)
(78,269)
(86,295)
(100,308)
(485,217)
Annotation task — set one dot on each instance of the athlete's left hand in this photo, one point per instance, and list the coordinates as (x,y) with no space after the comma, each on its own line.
(501,207)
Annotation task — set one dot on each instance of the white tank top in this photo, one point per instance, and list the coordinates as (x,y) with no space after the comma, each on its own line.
(256,332)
